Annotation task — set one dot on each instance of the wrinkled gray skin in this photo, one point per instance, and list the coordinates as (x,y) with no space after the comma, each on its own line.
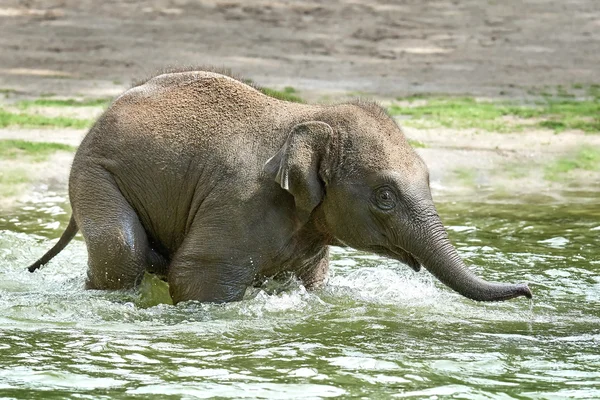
(208,182)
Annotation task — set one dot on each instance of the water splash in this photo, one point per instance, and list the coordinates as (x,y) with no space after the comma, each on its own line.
(377,329)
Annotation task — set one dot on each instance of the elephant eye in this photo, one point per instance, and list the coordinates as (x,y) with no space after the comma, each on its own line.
(385,198)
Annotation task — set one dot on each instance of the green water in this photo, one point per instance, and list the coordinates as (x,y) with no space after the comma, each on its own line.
(378,330)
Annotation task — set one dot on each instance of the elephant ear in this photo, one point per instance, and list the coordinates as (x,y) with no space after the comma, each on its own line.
(302,165)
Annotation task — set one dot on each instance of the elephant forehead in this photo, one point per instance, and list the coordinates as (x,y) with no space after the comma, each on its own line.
(378,153)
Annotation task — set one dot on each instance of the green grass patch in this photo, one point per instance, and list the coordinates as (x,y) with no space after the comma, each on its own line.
(594,91)
(287,94)
(417,144)
(14,177)
(359,93)
(46,102)
(516,171)
(7,92)
(553,113)
(587,159)
(578,90)
(38,151)
(467,176)
(562,92)
(12,181)
(8,118)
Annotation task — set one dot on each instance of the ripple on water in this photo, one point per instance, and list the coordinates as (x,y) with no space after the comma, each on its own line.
(377,329)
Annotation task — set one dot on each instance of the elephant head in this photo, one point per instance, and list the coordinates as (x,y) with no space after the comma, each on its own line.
(353,171)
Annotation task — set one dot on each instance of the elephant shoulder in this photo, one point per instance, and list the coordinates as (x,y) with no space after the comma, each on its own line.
(186,72)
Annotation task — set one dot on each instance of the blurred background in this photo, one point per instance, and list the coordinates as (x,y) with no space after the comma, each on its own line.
(381,47)
(500,98)
(448,70)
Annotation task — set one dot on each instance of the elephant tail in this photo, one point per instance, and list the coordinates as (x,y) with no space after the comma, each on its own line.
(64,240)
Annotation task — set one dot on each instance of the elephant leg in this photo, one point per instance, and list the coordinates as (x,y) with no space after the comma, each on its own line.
(315,276)
(196,273)
(118,247)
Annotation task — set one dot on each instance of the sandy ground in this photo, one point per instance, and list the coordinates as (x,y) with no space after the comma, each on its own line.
(385,47)
(326,49)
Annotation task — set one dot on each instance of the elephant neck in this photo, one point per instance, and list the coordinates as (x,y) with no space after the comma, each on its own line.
(304,249)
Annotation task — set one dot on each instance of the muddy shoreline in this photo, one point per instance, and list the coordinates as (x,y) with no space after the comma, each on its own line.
(329,51)
(462,164)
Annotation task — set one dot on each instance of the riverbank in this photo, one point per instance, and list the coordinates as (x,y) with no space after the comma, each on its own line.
(464,159)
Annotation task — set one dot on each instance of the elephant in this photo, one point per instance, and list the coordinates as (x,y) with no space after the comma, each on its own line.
(203,179)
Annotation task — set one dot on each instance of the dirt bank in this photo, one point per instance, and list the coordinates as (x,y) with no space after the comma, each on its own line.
(328,50)
(385,47)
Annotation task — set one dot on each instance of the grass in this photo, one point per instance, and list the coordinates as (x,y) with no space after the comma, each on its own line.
(359,93)
(594,91)
(38,151)
(467,176)
(287,94)
(417,144)
(516,171)
(8,118)
(14,179)
(7,92)
(45,102)
(556,113)
(11,181)
(587,159)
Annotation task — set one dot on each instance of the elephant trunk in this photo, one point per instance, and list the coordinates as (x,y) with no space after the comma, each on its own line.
(435,252)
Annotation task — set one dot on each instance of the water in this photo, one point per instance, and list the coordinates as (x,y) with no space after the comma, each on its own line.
(378,330)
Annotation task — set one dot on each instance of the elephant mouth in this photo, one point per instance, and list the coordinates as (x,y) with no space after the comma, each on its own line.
(399,254)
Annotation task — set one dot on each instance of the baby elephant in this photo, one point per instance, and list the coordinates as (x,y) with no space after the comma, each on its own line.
(209,183)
